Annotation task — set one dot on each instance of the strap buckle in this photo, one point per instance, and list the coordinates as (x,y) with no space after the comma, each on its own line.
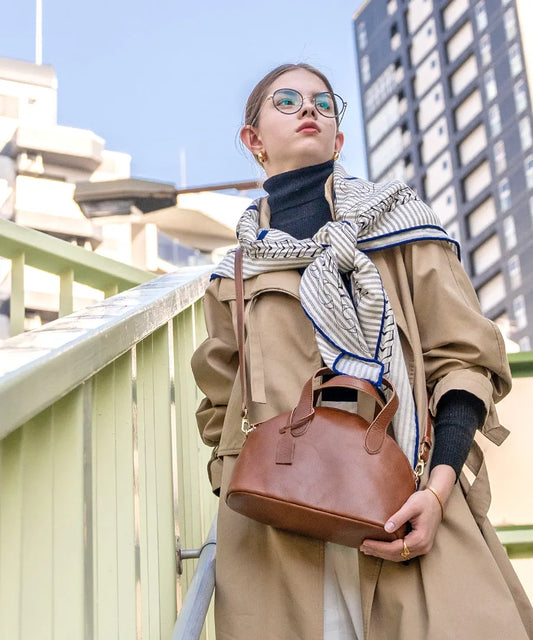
(423,452)
(419,469)
(246,427)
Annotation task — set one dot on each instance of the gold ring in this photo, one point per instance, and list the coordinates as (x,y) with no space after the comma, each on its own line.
(406,554)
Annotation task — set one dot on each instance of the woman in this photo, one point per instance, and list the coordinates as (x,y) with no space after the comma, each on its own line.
(273,585)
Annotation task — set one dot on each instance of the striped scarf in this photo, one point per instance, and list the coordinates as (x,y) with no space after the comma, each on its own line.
(355,330)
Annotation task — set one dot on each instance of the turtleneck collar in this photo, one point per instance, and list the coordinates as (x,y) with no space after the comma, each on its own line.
(297,187)
(297,200)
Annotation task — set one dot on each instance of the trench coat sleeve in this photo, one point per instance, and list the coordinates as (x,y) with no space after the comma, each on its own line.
(461,348)
(215,365)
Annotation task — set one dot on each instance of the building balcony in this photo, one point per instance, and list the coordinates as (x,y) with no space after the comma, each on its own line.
(58,145)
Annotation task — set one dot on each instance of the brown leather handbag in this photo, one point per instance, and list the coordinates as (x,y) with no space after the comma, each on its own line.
(319,471)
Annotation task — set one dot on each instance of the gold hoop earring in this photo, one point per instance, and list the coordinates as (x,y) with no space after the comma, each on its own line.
(336,156)
(261,157)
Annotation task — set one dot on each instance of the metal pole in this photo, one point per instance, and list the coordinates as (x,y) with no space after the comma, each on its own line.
(183,169)
(192,615)
(39,32)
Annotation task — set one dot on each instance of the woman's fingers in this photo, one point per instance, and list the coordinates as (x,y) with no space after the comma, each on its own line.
(408,511)
(424,517)
(386,550)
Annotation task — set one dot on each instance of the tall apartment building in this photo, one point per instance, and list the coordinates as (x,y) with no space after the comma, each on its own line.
(446,107)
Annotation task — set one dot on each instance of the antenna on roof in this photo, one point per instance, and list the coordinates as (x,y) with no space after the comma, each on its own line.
(39,32)
(183,169)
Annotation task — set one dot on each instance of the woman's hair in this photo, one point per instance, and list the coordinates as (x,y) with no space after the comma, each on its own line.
(259,93)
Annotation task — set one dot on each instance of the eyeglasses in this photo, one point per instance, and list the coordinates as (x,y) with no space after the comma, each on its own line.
(329,105)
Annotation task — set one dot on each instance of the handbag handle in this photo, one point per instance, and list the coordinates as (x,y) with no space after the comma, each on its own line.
(377,429)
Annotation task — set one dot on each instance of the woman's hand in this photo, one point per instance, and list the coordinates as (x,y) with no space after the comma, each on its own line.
(422,510)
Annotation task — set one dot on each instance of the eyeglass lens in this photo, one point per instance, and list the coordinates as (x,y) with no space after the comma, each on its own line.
(291,101)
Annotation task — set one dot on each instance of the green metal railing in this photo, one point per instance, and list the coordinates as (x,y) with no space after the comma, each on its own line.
(521,364)
(101,467)
(191,620)
(28,247)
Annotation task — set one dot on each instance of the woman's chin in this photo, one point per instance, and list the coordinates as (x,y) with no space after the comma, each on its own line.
(306,160)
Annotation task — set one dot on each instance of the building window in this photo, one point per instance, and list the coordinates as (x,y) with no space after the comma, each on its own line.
(495,122)
(365,69)
(482,217)
(477,180)
(519,311)
(361,36)
(484,48)
(509,232)
(509,22)
(504,191)
(520,96)
(525,343)
(492,292)
(481,15)
(500,161)
(525,133)
(385,152)
(486,255)
(528,165)
(395,38)
(467,110)
(515,59)
(490,85)
(383,87)
(453,11)
(515,274)
(453,231)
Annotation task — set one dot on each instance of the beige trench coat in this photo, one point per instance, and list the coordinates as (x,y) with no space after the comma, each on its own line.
(269,584)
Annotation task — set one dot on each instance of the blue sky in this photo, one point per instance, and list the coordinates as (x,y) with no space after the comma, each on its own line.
(155,78)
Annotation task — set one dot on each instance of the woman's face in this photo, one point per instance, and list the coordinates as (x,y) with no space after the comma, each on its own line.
(292,141)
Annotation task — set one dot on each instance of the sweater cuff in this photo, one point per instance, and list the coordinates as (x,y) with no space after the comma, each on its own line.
(459,414)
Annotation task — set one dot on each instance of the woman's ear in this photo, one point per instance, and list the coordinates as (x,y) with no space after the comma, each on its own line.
(339,141)
(251,139)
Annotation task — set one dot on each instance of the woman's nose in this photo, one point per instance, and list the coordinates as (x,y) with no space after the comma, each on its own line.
(308,108)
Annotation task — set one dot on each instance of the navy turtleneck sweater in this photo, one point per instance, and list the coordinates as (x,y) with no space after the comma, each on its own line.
(297,202)
(299,207)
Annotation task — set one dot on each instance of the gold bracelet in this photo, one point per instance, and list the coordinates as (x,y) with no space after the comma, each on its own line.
(436,494)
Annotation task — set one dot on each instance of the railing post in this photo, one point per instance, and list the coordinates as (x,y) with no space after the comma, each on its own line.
(17,308)
(191,618)
(110,291)
(66,293)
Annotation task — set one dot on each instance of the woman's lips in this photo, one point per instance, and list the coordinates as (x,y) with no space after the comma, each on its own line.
(308,127)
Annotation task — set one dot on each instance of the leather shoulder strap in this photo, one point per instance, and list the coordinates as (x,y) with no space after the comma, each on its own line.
(239,298)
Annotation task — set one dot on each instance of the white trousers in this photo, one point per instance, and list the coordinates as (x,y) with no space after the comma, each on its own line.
(343,614)
(343,617)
